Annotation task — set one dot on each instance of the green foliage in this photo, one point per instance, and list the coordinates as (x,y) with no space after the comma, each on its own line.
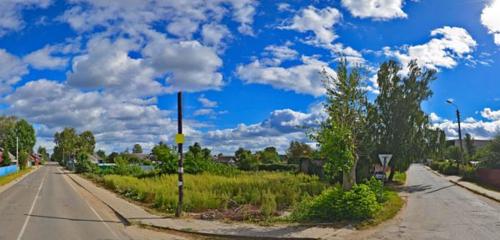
(101,153)
(23,159)
(247,161)
(137,148)
(268,156)
(268,191)
(25,134)
(69,143)
(167,159)
(444,167)
(402,125)
(5,156)
(280,167)
(43,153)
(377,187)
(84,165)
(123,168)
(454,153)
(491,154)
(469,145)
(297,151)
(335,204)
(341,136)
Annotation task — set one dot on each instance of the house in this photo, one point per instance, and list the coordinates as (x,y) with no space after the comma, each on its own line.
(94,158)
(229,160)
(13,160)
(35,159)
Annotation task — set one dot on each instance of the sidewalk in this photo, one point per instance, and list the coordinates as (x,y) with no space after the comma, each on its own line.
(135,214)
(475,188)
(494,195)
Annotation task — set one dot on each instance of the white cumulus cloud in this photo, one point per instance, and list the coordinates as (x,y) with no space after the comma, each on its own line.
(377,9)
(490,18)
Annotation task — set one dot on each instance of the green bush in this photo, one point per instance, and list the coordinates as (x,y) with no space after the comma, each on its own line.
(335,204)
(280,167)
(468,172)
(123,167)
(378,188)
(85,166)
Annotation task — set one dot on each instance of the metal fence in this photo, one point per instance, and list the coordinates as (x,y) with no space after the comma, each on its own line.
(8,170)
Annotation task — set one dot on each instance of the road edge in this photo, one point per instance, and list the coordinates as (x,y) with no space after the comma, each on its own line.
(464,186)
(205,234)
(13,182)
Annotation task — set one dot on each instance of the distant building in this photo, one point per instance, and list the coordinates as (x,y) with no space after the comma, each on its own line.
(229,160)
(476,142)
(13,160)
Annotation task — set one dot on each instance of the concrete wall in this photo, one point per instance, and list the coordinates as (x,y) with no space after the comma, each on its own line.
(489,176)
(8,170)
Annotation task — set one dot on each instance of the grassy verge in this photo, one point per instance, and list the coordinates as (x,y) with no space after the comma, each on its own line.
(399,178)
(246,196)
(389,209)
(11,177)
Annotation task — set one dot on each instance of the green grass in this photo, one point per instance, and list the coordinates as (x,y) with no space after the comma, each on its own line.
(268,192)
(389,209)
(400,178)
(11,177)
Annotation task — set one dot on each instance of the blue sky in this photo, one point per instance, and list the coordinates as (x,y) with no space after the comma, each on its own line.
(249,69)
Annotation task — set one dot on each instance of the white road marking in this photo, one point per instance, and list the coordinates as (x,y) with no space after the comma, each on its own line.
(31,209)
(91,208)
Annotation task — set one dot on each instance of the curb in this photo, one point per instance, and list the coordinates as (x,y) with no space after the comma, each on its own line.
(463,186)
(205,234)
(475,191)
(13,182)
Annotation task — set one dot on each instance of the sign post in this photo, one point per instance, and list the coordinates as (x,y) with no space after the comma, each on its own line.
(384,160)
(179,139)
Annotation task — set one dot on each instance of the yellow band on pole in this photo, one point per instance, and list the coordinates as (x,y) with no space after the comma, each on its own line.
(179,138)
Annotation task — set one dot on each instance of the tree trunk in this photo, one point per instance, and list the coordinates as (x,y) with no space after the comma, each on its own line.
(349,178)
(391,175)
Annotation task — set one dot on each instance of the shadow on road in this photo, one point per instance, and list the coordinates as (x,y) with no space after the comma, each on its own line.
(72,219)
(439,189)
(413,188)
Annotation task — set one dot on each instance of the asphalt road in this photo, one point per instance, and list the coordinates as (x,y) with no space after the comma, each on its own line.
(438,209)
(48,205)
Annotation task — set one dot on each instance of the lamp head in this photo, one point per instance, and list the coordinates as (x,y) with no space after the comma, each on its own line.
(450,101)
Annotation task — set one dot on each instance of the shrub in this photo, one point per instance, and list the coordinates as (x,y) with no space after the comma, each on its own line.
(122,167)
(279,167)
(335,204)
(378,188)
(85,166)
(468,172)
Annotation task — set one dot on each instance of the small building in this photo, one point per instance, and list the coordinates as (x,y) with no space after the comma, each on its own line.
(35,159)
(229,160)
(13,159)
(477,143)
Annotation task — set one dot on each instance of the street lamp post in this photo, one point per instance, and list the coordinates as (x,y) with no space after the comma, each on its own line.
(450,101)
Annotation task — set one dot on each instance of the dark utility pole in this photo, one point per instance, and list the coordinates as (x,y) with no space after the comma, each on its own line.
(181,156)
(460,139)
(450,101)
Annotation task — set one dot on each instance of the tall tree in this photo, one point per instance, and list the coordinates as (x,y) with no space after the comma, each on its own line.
(5,156)
(341,135)
(469,145)
(137,148)
(43,153)
(66,144)
(86,142)
(7,123)
(402,122)
(269,156)
(25,134)
(297,151)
